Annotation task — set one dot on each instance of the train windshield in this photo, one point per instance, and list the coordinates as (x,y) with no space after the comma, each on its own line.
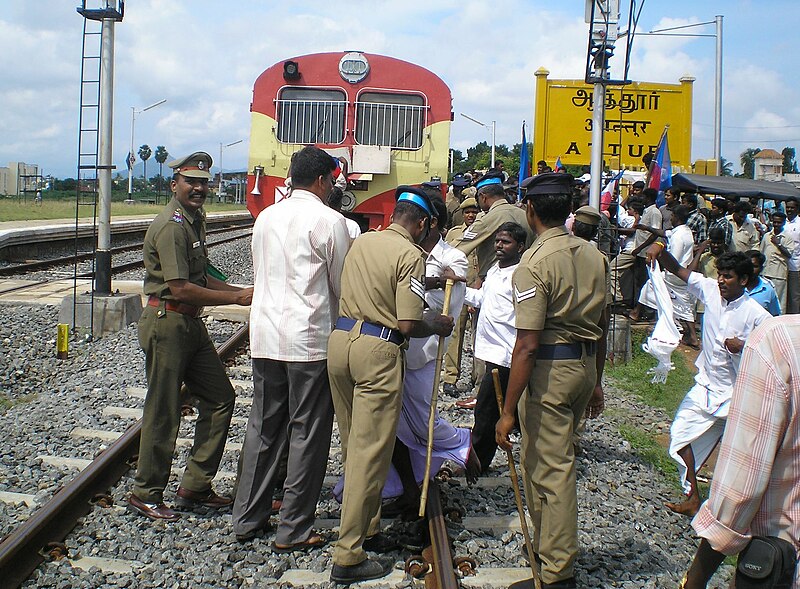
(311,115)
(389,119)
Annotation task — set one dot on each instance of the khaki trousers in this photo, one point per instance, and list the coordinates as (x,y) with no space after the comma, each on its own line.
(780,291)
(178,350)
(366,376)
(559,391)
(454,352)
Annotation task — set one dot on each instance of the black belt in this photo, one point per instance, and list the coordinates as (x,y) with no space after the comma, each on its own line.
(385,333)
(566,351)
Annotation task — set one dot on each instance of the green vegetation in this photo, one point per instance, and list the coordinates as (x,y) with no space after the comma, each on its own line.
(633,376)
(60,206)
(651,452)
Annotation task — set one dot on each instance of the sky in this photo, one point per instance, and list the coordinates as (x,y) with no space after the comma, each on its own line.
(203,57)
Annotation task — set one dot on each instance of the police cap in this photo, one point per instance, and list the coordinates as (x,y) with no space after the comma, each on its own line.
(469,203)
(588,215)
(196,165)
(490,178)
(415,196)
(547,183)
(460,181)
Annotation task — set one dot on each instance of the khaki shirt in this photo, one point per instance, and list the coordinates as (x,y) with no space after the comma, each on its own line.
(480,235)
(560,288)
(453,209)
(745,237)
(776,264)
(174,249)
(453,237)
(383,280)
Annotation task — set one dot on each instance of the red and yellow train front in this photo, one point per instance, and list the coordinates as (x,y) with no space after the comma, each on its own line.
(387,118)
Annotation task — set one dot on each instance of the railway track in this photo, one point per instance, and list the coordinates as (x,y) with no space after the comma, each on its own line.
(23,268)
(43,537)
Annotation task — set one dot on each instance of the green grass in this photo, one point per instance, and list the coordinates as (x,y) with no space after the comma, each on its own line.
(633,376)
(651,452)
(15,210)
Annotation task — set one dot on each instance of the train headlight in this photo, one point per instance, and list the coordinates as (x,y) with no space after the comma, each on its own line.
(353,67)
(291,70)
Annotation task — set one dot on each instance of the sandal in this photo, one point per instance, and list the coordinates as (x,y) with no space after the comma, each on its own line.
(313,541)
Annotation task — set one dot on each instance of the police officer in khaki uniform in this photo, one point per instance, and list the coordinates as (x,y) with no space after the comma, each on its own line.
(381,305)
(178,349)
(455,196)
(480,236)
(560,297)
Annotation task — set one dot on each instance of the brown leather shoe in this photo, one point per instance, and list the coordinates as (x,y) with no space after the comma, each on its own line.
(154,511)
(187,498)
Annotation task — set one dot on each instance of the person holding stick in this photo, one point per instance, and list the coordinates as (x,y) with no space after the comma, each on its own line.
(559,298)
(381,305)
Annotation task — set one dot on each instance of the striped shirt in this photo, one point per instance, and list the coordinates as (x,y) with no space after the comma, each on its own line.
(299,245)
(756,487)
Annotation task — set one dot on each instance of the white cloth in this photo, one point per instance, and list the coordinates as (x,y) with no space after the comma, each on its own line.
(716,366)
(422,350)
(626,221)
(665,337)
(299,245)
(697,426)
(353,228)
(792,229)
(495,333)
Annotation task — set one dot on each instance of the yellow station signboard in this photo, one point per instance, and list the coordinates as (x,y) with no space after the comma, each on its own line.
(636,115)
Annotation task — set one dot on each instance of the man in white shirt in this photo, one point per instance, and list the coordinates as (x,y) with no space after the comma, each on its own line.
(299,246)
(730,316)
(495,334)
(792,230)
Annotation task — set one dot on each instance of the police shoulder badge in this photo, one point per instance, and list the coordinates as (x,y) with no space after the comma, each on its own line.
(525,294)
(177,216)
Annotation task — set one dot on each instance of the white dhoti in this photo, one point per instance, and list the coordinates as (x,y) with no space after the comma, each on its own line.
(449,442)
(699,423)
(683,303)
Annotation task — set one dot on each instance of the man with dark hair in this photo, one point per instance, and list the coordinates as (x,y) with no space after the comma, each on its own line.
(382,303)
(335,201)
(759,289)
(651,217)
(480,236)
(178,349)
(558,355)
(792,230)
(730,316)
(777,248)
(299,246)
(671,200)
(696,222)
(718,218)
(745,234)
(623,286)
(636,189)
(494,334)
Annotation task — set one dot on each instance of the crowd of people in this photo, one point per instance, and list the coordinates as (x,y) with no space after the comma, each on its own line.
(348,326)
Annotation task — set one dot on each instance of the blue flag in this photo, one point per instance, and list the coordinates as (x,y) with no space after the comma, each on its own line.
(524,163)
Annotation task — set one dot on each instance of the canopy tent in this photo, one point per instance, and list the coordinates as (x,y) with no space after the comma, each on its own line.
(729,186)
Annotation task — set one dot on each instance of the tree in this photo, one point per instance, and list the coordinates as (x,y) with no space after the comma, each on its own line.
(748,161)
(727,167)
(161,156)
(789,164)
(145,152)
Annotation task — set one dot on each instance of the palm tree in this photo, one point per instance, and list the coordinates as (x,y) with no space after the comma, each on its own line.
(748,161)
(726,168)
(145,152)
(161,156)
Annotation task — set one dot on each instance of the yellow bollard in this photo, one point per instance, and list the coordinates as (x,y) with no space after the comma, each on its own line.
(62,342)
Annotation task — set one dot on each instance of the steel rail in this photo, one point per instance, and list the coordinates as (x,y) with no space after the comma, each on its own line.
(443,568)
(20,550)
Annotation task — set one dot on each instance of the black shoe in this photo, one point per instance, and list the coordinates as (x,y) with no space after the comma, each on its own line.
(563,584)
(450,390)
(380,543)
(363,571)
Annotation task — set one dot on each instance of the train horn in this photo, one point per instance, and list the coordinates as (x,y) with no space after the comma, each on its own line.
(258,171)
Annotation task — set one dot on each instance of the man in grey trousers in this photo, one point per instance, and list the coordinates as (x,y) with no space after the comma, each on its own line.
(299,245)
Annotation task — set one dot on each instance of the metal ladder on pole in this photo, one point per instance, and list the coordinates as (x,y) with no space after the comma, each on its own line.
(88,142)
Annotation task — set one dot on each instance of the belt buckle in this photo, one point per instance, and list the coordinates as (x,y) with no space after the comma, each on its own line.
(386,333)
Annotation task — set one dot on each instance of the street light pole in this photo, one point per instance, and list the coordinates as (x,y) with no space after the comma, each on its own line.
(134,112)
(491,128)
(221,146)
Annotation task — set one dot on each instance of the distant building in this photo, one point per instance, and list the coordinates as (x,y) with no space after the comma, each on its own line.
(768,165)
(19,177)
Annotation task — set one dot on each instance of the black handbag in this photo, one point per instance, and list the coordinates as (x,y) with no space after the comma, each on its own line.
(766,563)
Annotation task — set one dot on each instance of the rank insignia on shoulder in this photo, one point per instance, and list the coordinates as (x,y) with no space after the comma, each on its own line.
(525,294)
(469,235)
(177,216)
(417,287)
